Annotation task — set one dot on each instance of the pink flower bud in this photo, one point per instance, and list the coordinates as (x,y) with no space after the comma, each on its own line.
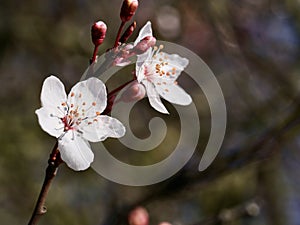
(128,9)
(144,45)
(164,223)
(134,92)
(98,32)
(138,216)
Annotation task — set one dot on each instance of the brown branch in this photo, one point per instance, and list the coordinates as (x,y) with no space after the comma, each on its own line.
(53,163)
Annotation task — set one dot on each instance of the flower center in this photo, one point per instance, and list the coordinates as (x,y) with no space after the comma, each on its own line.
(158,65)
(77,113)
(67,126)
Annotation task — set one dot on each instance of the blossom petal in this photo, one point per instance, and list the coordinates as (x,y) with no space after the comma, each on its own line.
(50,124)
(53,95)
(173,65)
(154,98)
(102,128)
(174,93)
(175,59)
(75,151)
(145,31)
(141,63)
(88,96)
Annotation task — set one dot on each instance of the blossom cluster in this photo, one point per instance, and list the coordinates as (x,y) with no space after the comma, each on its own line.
(80,117)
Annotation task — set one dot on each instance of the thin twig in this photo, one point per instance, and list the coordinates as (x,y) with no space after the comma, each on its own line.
(94,54)
(53,163)
(119,34)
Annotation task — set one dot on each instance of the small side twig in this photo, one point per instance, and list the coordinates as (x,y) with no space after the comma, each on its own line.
(94,54)
(53,163)
(119,34)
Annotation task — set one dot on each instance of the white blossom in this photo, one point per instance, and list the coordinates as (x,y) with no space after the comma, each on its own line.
(158,72)
(76,119)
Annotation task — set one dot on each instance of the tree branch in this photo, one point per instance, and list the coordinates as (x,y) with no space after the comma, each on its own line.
(53,163)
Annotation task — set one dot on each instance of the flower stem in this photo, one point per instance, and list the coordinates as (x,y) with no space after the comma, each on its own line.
(115,91)
(119,34)
(112,96)
(53,163)
(94,54)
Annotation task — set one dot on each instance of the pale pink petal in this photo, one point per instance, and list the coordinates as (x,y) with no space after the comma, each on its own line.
(88,96)
(142,61)
(49,123)
(175,59)
(145,31)
(122,62)
(154,98)
(53,95)
(75,151)
(101,128)
(174,94)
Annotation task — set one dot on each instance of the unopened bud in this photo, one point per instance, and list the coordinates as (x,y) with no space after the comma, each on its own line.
(138,216)
(134,92)
(98,32)
(128,9)
(144,45)
(128,32)
(164,223)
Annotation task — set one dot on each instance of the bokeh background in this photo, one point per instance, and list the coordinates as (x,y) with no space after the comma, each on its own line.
(252,46)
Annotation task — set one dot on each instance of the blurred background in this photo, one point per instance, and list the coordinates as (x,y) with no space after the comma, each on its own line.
(252,46)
